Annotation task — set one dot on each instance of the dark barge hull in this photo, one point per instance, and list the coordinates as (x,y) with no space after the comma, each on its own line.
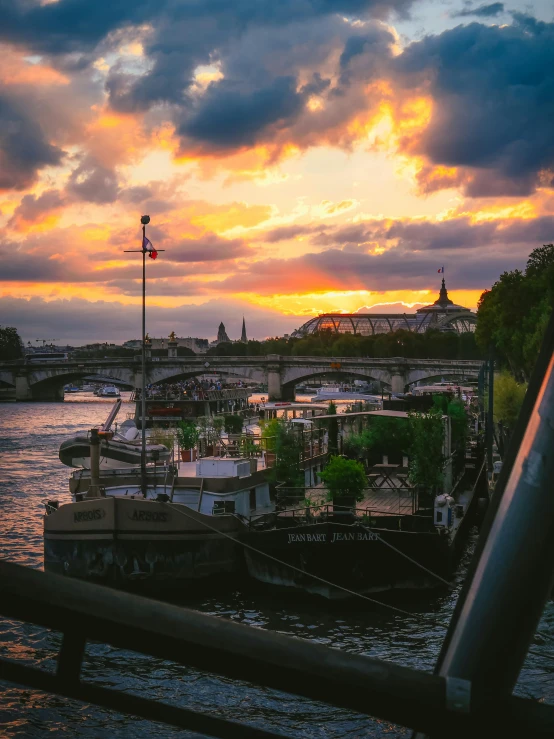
(353,557)
(137,544)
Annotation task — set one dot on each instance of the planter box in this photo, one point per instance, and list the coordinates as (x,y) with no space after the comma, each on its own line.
(189,455)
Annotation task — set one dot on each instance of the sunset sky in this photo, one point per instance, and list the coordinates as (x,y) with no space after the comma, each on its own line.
(295,157)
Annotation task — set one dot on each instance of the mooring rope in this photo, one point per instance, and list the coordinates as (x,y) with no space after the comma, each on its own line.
(425,619)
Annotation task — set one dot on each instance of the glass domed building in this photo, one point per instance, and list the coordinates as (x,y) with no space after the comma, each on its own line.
(443,314)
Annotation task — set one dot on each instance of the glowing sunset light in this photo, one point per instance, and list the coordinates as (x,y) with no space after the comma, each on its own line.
(291,164)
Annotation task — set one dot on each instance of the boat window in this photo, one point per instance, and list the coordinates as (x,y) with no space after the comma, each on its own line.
(252,499)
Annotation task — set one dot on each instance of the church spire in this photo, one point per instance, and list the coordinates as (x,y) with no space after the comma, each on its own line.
(243,335)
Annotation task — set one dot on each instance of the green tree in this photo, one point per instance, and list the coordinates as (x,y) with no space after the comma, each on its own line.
(11,346)
(390,436)
(285,440)
(512,315)
(508,399)
(426,450)
(344,478)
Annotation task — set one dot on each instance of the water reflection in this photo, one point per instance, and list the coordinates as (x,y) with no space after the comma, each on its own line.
(30,472)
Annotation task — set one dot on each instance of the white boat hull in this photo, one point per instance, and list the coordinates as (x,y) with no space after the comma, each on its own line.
(113,454)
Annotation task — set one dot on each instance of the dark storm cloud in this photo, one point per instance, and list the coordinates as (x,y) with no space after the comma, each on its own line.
(483,11)
(69,26)
(228,118)
(23,146)
(93,183)
(493,102)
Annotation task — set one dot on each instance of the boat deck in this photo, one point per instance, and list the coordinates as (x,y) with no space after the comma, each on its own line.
(384,502)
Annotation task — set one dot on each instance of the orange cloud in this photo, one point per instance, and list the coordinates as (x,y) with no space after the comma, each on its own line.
(113,139)
(15,69)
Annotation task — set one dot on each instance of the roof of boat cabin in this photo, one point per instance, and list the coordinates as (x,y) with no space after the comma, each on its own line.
(294,406)
(389,414)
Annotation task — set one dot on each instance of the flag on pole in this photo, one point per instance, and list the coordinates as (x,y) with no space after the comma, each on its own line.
(147,246)
(440,271)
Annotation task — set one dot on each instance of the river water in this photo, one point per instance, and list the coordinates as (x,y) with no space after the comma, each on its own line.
(30,472)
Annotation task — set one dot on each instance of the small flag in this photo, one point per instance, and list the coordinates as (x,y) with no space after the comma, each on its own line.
(147,246)
(440,271)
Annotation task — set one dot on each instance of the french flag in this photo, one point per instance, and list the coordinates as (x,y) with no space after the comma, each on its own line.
(440,271)
(147,246)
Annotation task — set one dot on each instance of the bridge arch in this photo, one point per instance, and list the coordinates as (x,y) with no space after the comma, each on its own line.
(418,375)
(48,384)
(176,374)
(298,375)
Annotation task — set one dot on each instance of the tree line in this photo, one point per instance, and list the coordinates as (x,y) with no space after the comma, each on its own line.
(512,316)
(432,344)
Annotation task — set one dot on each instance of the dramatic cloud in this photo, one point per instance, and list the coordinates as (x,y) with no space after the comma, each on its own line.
(409,253)
(303,155)
(230,119)
(94,183)
(210,248)
(482,11)
(492,91)
(36,209)
(23,147)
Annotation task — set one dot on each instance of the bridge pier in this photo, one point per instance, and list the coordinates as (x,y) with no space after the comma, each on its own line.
(398,381)
(43,392)
(274,385)
(23,388)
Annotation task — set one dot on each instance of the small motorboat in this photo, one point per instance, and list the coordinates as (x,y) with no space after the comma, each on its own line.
(71,389)
(120,449)
(109,391)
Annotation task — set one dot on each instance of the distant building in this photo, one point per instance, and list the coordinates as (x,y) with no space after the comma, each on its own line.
(243,338)
(443,315)
(222,334)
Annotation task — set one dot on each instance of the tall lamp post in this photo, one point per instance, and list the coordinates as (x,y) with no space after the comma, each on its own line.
(145,220)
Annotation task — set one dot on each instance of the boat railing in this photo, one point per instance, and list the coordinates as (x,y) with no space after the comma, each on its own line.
(389,501)
(321,512)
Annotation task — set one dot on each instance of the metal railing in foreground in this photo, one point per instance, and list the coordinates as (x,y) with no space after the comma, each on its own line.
(373,687)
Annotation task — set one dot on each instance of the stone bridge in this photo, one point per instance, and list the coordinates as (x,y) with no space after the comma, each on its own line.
(22,380)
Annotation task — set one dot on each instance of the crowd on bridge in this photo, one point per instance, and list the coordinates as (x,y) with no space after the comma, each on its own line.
(190,389)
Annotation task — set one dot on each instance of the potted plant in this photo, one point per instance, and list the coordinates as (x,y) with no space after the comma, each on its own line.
(187,436)
(345,481)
